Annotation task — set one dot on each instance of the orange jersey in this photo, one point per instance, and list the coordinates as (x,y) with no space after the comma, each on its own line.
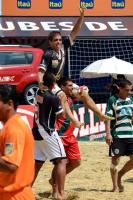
(17,147)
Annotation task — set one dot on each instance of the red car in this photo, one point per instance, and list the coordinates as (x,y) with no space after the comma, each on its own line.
(18,66)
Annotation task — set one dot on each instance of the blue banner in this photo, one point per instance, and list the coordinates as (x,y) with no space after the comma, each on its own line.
(24,4)
(55,4)
(87,4)
(118,4)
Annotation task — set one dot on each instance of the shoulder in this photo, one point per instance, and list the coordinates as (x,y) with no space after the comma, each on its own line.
(131,97)
(17,126)
(113,98)
(50,53)
(50,95)
(67,42)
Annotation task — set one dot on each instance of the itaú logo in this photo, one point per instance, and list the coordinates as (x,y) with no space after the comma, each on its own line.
(55,4)
(88,4)
(118,4)
(24,4)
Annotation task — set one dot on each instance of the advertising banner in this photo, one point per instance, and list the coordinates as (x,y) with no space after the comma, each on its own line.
(93,129)
(41,26)
(66,7)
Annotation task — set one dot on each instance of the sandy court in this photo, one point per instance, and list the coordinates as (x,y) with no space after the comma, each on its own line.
(90,181)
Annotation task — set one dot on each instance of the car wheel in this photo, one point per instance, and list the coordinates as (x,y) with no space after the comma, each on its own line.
(29,93)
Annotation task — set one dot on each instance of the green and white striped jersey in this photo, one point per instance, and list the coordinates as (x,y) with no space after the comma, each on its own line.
(122,110)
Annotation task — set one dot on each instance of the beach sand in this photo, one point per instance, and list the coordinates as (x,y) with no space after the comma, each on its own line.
(91,180)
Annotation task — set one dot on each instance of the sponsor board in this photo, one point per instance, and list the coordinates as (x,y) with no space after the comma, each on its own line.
(41,26)
(93,129)
(66,7)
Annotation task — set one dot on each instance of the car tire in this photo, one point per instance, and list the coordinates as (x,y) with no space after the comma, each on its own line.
(29,94)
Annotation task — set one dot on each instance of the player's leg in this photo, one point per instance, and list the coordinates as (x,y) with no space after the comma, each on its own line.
(82,94)
(128,165)
(38,166)
(39,157)
(72,153)
(114,172)
(54,151)
(58,177)
(116,150)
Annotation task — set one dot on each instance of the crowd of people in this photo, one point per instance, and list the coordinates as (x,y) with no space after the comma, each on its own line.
(54,124)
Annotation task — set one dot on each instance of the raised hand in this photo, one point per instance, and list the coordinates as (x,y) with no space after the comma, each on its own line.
(81,11)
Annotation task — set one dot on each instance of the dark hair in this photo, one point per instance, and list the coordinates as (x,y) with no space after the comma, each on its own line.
(120,84)
(63,81)
(8,92)
(121,76)
(53,34)
(123,83)
(48,79)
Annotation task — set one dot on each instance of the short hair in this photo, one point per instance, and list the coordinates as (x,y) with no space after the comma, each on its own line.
(120,84)
(48,79)
(63,81)
(8,92)
(121,76)
(123,83)
(53,34)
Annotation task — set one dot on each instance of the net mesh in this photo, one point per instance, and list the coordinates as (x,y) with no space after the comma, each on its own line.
(86,51)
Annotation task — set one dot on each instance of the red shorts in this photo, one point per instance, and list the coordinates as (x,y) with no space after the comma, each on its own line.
(71,147)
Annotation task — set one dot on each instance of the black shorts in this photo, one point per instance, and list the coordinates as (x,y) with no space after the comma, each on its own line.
(121,147)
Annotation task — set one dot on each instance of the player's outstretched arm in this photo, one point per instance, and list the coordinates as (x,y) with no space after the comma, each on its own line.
(78,25)
(88,102)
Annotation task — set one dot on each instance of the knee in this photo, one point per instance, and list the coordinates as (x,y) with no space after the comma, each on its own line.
(75,163)
(78,163)
(59,161)
(114,164)
(113,167)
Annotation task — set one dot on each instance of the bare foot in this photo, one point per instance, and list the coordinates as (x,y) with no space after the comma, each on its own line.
(62,197)
(114,190)
(120,186)
(54,196)
(103,117)
(51,182)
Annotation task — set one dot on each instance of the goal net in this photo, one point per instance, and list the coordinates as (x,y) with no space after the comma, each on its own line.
(86,51)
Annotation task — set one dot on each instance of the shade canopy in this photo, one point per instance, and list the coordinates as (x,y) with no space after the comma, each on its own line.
(108,67)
